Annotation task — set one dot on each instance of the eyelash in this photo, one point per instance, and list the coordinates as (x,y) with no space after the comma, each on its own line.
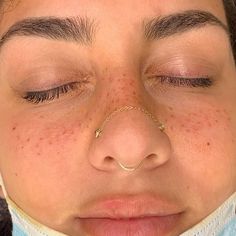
(51,94)
(185,82)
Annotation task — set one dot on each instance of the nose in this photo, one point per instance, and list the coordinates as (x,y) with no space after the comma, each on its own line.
(129,139)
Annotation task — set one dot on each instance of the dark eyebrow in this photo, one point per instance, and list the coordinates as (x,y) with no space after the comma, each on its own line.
(69,29)
(161,27)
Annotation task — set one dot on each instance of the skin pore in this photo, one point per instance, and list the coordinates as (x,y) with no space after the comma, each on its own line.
(51,163)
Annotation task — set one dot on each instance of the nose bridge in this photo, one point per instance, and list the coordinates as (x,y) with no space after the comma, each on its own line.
(124,87)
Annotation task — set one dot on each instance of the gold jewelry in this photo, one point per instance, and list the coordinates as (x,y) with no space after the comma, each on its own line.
(129,168)
(98,131)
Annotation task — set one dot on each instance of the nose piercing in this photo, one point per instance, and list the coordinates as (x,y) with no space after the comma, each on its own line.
(129,168)
(98,132)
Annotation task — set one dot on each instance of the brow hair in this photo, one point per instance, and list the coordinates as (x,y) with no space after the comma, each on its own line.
(70,29)
(166,26)
(230,10)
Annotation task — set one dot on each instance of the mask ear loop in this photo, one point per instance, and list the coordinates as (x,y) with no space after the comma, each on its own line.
(3,186)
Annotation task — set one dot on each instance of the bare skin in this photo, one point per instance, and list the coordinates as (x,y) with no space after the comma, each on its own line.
(51,163)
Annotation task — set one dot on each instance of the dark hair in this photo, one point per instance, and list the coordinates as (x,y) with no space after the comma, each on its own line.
(230,10)
(5,219)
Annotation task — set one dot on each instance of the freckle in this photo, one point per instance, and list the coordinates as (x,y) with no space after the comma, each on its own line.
(41,117)
(172,116)
(14,128)
(188,130)
(170,108)
(64,132)
(182,125)
(16,174)
(218,111)
(216,121)
(50,142)
(22,147)
(39,154)
(134,93)
(208,144)
(28,139)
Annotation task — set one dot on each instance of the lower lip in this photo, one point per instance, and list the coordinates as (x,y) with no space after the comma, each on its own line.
(151,226)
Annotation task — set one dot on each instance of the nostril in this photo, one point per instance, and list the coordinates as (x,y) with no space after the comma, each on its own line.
(151,156)
(109,159)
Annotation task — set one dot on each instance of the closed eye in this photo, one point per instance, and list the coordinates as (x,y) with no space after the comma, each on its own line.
(185,82)
(51,94)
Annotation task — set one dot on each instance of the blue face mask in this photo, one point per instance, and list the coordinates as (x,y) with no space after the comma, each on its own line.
(222,222)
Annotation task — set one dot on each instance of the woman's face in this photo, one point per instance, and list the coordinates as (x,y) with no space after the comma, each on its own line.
(110,54)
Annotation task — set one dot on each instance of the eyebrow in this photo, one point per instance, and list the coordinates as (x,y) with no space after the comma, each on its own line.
(83,30)
(162,27)
(76,29)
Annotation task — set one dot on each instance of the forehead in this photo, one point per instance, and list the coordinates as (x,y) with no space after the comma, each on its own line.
(119,11)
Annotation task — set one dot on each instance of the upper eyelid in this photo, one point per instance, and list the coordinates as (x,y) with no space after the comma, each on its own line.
(50,94)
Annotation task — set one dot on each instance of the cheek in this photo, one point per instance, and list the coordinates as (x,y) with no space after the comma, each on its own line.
(46,145)
(205,124)
(203,146)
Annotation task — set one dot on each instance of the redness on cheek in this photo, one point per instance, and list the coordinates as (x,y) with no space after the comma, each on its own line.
(37,138)
(196,122)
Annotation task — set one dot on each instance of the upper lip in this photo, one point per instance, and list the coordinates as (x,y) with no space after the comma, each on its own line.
(126,207)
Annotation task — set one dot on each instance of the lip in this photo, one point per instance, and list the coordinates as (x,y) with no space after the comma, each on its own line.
(130,215)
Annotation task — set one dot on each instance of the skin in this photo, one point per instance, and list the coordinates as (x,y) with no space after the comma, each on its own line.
(52,165)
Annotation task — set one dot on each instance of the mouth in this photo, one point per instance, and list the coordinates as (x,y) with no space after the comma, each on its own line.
(128,216)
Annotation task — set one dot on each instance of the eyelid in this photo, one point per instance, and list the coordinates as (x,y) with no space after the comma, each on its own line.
(186,82)
(50,94)
(176,81)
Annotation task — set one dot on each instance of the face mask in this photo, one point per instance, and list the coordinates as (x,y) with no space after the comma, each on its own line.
(222,222)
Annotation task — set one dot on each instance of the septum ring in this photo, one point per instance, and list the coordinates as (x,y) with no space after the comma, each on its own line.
(129,168)
(99,131)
